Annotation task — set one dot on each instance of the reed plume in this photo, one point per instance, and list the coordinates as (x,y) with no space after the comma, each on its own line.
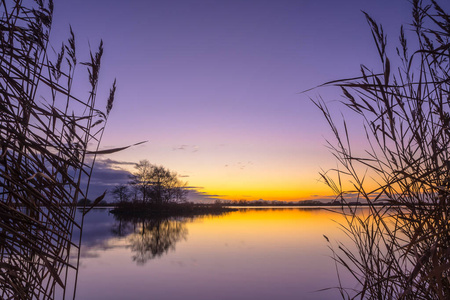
(399,250)
(45,131)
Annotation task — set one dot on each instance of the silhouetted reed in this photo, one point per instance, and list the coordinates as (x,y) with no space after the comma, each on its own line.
(45,131)
(403,248)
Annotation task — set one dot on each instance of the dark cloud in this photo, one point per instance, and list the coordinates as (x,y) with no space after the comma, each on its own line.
(99,229)
(195,188)
(350,197)
(105,176)
(201,197)
(116,162)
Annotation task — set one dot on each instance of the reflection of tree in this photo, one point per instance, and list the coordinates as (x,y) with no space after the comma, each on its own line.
(122,227)
(152,237)
(155,238)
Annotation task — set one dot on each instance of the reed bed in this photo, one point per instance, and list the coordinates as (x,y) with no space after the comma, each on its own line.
(400,250)
(44,135)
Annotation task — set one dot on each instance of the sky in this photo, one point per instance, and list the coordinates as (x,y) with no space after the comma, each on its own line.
(215,86)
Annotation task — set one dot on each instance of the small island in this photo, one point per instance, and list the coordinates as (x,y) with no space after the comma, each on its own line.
(155,191)
(186,209)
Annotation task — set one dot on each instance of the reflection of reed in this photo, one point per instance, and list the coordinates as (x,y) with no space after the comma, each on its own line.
(42,156)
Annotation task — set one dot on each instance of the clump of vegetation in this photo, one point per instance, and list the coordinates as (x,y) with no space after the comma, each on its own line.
(401,250)
(155,191)
(151,184)
(187,209)
(45,131)
(157,184)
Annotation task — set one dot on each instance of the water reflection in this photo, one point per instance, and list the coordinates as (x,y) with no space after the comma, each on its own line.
(151,237)
(263,253)
(33,253)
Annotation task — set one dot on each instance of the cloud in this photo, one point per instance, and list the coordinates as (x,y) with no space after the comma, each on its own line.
(99,233)
(106,174)
(189,148)
(350,197)
(239,165)
(116,162)
(194,195)
(181,147)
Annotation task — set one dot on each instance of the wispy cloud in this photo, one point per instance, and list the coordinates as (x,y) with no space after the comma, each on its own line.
(239,165)
(197,196)
(181,147)
(111,162)
(188,148)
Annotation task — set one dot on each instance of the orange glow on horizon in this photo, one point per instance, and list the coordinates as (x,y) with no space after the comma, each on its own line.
(289,192)
(289,195)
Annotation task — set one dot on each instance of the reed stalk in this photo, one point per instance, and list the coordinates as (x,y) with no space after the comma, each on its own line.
(44,136)
(400,250)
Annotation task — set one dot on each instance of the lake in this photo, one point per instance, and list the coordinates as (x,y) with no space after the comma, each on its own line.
(253,253)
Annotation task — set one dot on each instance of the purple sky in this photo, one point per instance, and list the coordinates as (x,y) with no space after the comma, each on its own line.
(214,85)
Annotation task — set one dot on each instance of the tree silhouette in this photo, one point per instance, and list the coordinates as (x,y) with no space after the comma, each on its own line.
(157,185)
(121,193)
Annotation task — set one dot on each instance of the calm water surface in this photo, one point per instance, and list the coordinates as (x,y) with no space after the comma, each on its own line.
(249,254)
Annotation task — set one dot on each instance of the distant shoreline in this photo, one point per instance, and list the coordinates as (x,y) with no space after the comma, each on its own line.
(115,205)
(307,205)
(169,209)
(198,209)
